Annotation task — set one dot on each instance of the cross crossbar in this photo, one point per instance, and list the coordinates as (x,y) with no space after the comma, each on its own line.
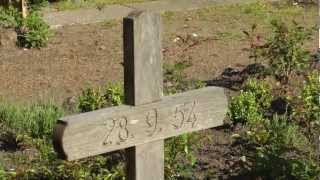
(124,126)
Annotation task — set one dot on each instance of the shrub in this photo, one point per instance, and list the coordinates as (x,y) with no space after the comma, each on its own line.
(311,101)
(286,153)
(93,99)
(90,100)
(244,108)
(261,90)
(114,94)
(10,17)
(310,95)
(285,50)
(36,121)
(34,32)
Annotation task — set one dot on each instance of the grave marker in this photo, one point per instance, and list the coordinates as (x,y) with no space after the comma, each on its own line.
(24,8)
(148,118)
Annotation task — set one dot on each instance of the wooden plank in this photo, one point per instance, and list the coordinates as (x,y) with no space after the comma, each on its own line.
(142,58)
(115,128)
(146,161)
(24,8)
(143,84)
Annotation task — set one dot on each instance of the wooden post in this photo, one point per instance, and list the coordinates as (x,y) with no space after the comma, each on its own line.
(24,8)
(143,84)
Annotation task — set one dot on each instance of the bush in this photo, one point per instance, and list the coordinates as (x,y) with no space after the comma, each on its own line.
(114,94)
(261,90)
(284,50)
(34,32)
(10,17)
(254,99)
(244,108)
(311,103)
(36,121)
(285,154)
(93,99)
(310,96)
(90,100)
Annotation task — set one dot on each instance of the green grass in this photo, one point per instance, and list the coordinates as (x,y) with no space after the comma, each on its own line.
(36,121)
(32,31)
(70,5)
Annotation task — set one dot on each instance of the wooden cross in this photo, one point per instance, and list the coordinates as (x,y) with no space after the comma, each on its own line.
(147,119)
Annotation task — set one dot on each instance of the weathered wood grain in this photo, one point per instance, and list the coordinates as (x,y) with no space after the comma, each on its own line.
(24,8)
(143,84)
(142,58)
(146,161)
(115,128)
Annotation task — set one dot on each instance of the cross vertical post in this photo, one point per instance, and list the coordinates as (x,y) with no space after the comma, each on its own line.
(143,84)
(24,8)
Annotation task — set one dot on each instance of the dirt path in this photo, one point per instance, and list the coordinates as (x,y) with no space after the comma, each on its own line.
(94,15)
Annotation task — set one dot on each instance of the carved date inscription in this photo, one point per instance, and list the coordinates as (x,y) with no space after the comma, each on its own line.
(118,127)
(152,122)
(117,131)
(185,114)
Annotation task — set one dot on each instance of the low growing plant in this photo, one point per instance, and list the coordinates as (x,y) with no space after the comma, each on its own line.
(36,120)
(114,94)
(34,32)
(93,99)
(310,96)
(244,108)
(10,17)
(285,154)
(90,100)
(261,90)
(311,101)
(2,172)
